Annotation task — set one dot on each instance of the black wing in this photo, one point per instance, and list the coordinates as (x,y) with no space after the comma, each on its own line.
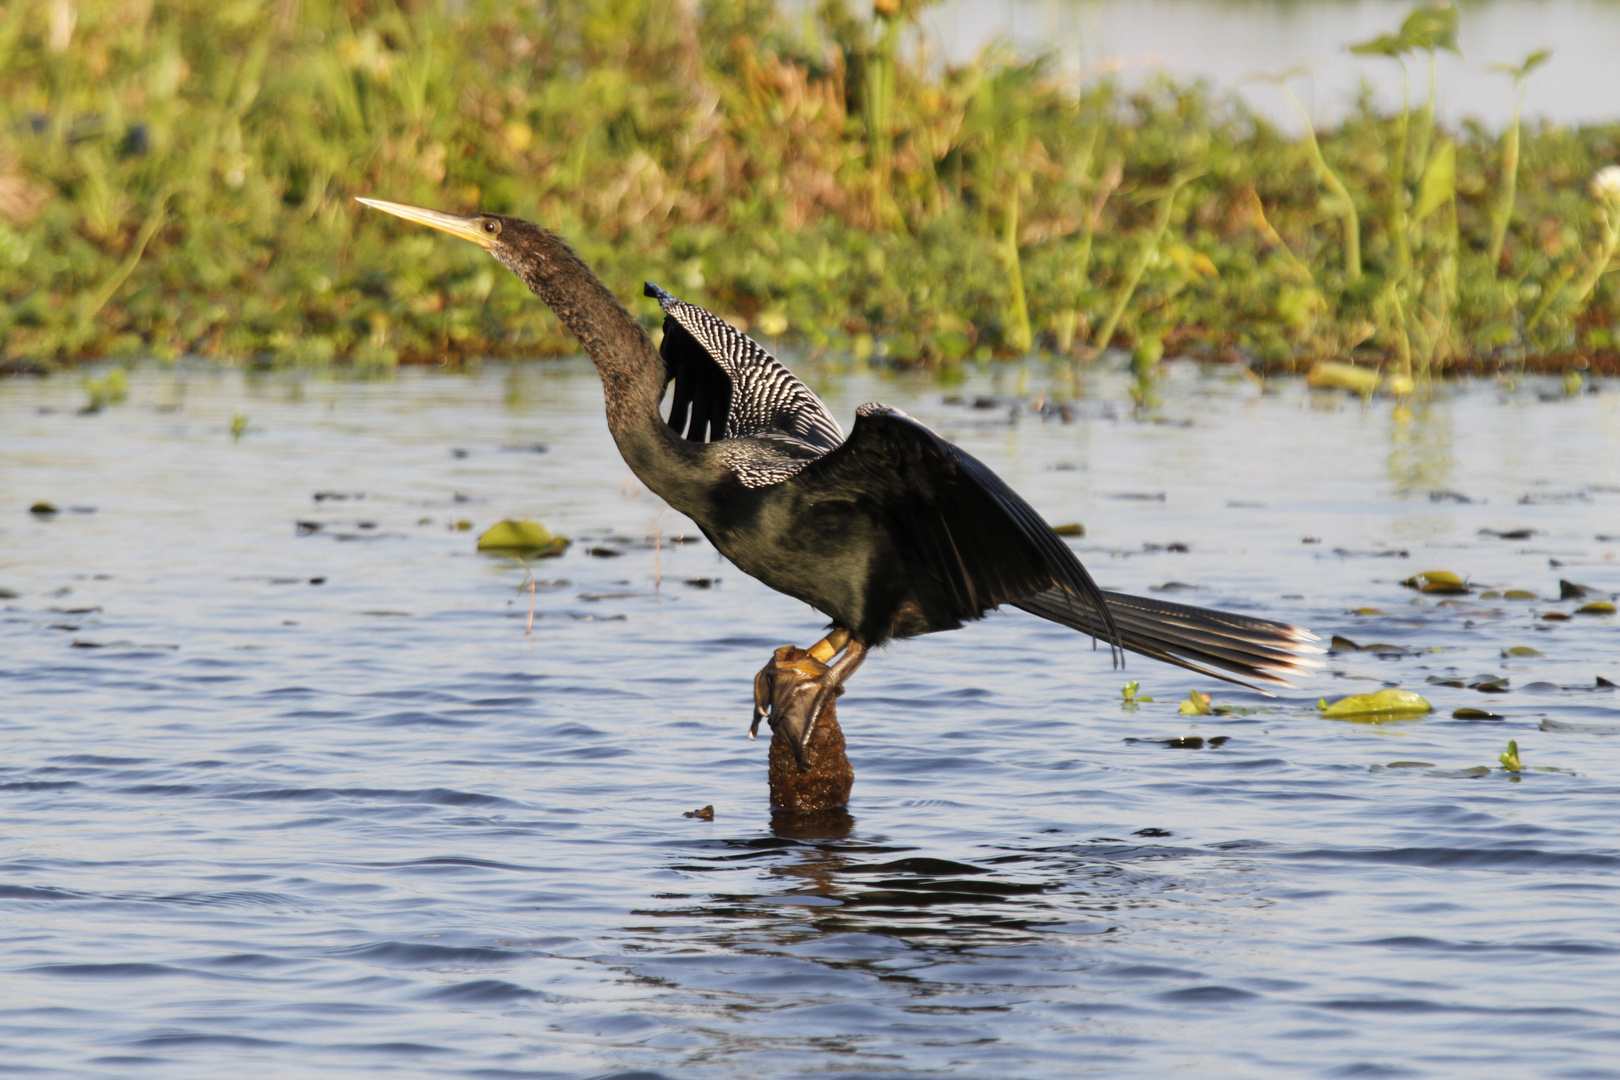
(728,387)
(951,517)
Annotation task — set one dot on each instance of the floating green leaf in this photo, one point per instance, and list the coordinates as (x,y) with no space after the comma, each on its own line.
(1129,692)
(1330,374)
(1443,582)
(1596,607)
(1383,703)
(1519,594)
(1510,759)
(1522,651)
(522,538)
(1196,704)
(1473,714)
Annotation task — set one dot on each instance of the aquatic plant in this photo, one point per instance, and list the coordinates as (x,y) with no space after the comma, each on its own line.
(178,179)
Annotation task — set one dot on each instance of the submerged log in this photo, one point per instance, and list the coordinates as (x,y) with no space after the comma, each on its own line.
(824,781)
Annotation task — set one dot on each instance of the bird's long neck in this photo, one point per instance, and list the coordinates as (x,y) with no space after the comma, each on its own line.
(631,369)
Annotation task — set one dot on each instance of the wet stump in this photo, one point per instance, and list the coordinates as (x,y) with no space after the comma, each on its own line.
(823,783)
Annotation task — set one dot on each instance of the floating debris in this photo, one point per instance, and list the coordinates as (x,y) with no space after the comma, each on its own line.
(44,510)
(1523,651)
(1568,590)
(1474,714)
(1450,496)
(1580,729)
(1187,742)
(704,814)
(1509,534)
(1341,644)
(1072,529)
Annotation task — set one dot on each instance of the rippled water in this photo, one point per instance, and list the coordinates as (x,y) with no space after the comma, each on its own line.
(308,801)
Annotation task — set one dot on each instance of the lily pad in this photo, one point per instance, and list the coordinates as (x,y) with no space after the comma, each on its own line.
(1519,594)
(1596,607)
(1365,611)
(1383,703)
(1522,650)
(1443,582)
(1327,374)
(522,538)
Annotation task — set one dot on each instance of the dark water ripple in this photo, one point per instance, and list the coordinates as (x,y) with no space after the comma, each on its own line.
(367,826)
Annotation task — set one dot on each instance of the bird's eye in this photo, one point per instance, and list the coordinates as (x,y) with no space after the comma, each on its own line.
(493,228)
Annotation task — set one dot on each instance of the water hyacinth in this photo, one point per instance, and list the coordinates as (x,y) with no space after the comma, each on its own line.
(178,179)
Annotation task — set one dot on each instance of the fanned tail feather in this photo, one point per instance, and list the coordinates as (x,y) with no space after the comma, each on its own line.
(1195,638)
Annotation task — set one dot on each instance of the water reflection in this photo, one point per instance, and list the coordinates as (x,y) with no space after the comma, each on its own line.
(1421,458)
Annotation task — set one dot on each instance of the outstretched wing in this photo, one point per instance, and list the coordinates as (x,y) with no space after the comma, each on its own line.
(728,387)
(951,518)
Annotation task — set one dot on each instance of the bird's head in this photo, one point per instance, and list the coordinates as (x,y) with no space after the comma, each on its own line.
(521,246)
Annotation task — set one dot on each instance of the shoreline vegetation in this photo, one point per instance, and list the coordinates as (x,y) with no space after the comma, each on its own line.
(178,179)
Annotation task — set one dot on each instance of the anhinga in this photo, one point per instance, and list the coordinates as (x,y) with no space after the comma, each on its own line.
(891,532)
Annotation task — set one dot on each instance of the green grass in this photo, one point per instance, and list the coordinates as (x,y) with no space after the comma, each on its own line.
(179,179)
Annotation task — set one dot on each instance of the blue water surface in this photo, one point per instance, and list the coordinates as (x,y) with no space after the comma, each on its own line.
(291,786)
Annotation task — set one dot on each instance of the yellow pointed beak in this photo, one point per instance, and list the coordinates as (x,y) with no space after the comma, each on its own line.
(465,227)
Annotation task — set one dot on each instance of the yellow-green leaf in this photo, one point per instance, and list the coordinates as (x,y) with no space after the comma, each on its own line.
(1330,373)
(522,538)
(1596,607)
(1510,760)
(1383,703)
(1436,581)
(1439,181)
(1196,704)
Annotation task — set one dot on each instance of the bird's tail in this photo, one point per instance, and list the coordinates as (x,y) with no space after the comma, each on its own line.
(1194,638)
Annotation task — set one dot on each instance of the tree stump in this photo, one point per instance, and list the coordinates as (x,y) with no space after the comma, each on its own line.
(823,783)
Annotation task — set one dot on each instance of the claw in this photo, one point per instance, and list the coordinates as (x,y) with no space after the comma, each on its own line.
(764,688)
(792,672)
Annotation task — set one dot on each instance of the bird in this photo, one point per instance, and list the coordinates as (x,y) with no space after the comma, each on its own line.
(890,531)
